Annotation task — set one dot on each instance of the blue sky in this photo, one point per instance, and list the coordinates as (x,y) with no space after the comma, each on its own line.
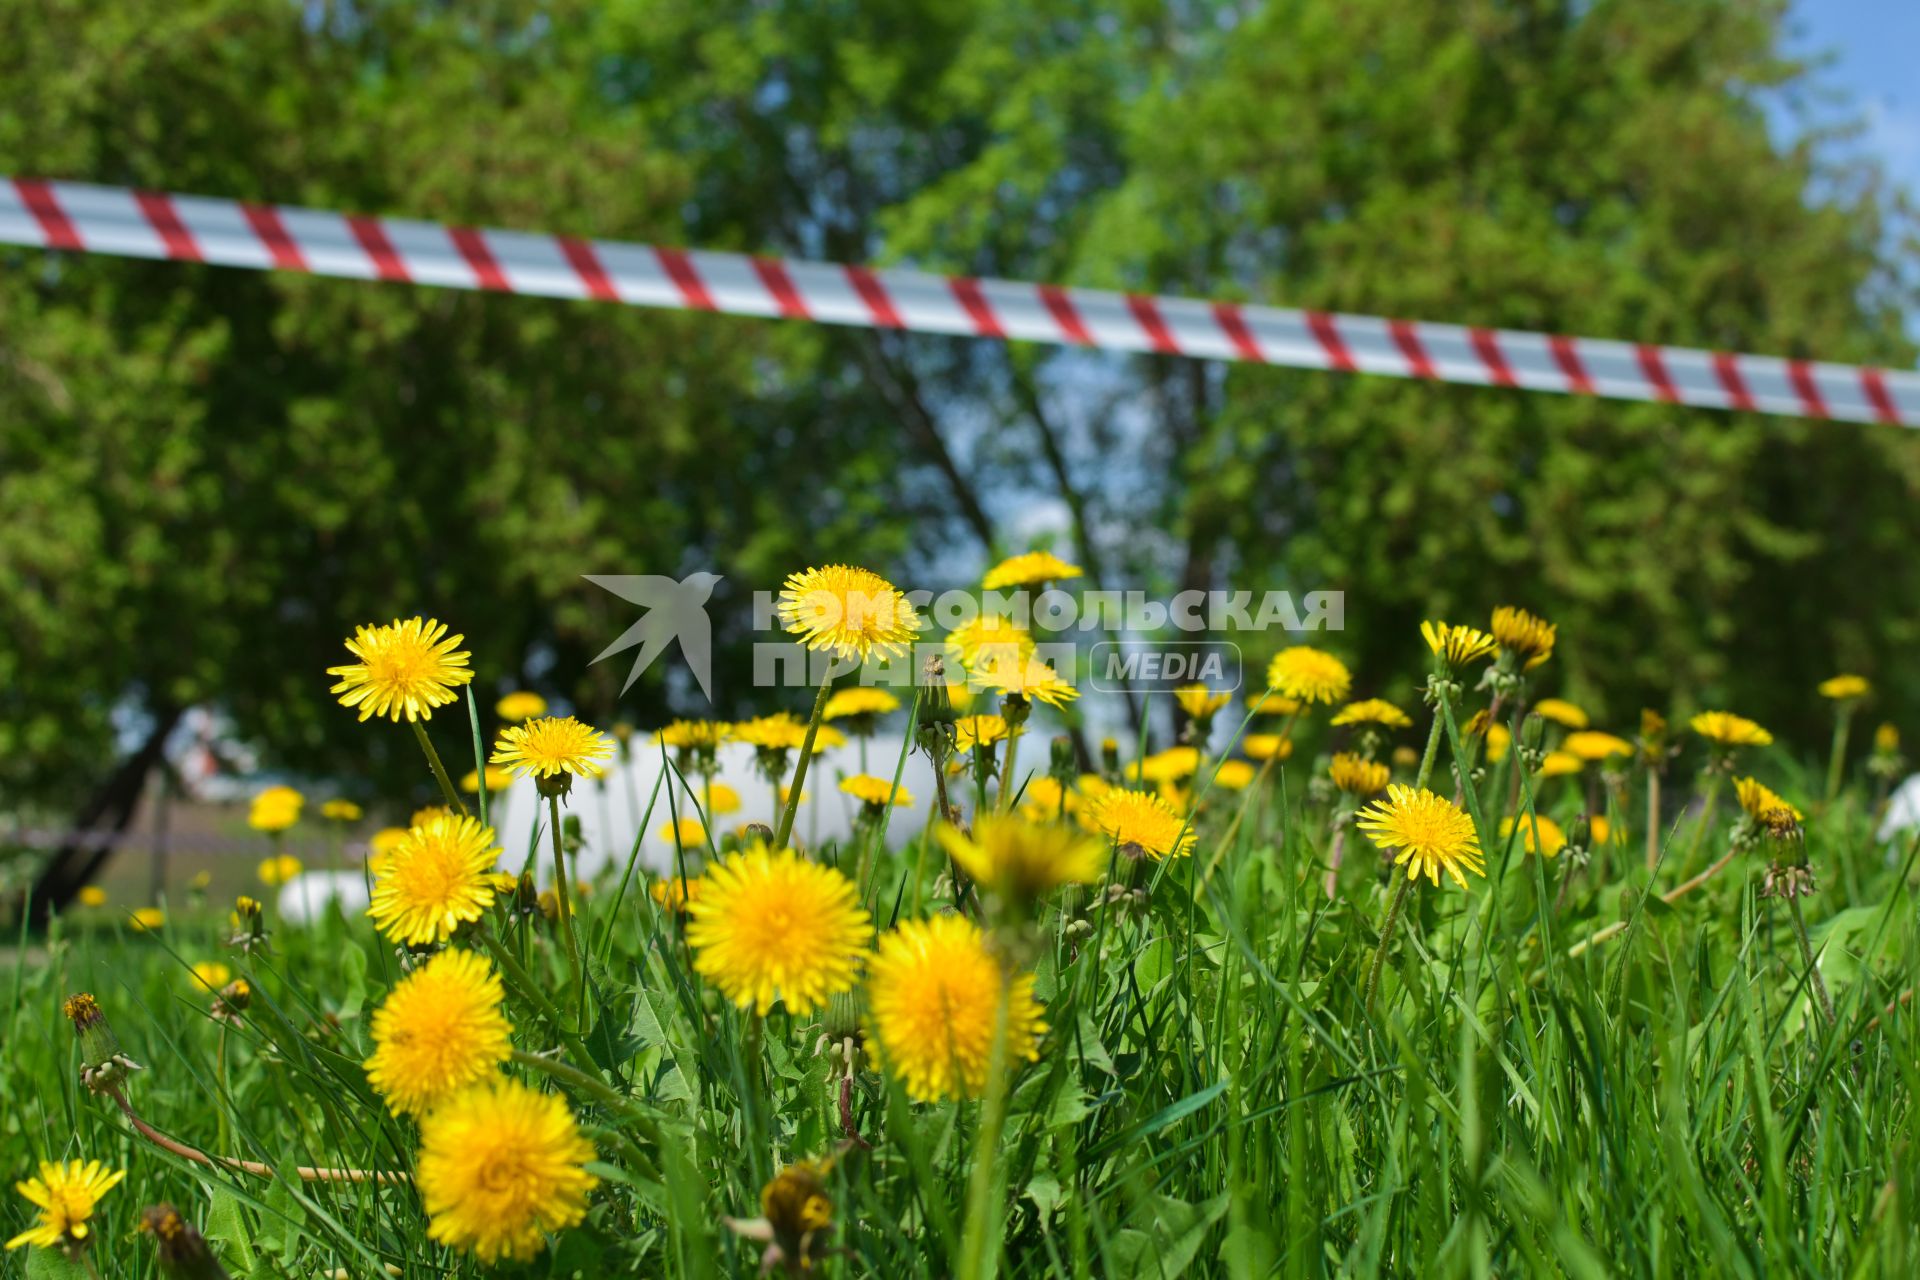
(1875,45)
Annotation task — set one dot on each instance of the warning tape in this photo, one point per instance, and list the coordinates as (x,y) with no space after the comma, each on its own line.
(142,224)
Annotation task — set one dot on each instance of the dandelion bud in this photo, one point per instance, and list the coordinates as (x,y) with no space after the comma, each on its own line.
(183,1251)
(102,1065)
(759,832)
(1533,731)
(841,1017)
(526,894)
(1579,832)
(1063,758)
(232,999)
(1110,756)
(796,1219)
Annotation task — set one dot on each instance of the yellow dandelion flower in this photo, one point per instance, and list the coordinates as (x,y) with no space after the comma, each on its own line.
(93,896)
(1561,712)
(1171,765)
(861,700)
(146,919)
(1543,835)
(383,842)
(338,810)
(673,894)
(934,993)
(1144,820)
(1560,764)
(1729,730)
(1528,638)
(1357,775)
(1591,744)
(441,1030)
(694,735)
(1602,829)
(1021,860)
(1405,757)
(1234,775)
(421,817)
(1267,746)
(501,1165)
(405,669)
(1373,711)
(1199,702)
(553,745)
(498,780)
(1499,740)
(65,1194)
(770,926)
(275,809)
(1845,688)
(973,732)
(1045,800)
(210,975)
(1271,703)
(1456,646)
(688,832)
(278,870)
(1309,675)
(848,611)
(989,638)
(1028,570)
(1426,832)
(868,789)
(436,878)
(777,732)
(826,736)
(519,706)
(1759,801)
(1886,739)
(721,800)
(1031,679)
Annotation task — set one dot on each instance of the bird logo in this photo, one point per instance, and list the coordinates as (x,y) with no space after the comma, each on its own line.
(674,610)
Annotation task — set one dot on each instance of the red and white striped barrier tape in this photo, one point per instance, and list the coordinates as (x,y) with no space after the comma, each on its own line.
(140,224)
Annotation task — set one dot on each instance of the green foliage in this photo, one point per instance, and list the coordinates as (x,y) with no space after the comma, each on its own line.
(190,457)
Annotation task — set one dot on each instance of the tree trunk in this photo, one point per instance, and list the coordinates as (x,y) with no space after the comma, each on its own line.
(109,812)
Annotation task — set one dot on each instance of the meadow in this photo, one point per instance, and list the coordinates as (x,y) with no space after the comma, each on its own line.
(1322,985)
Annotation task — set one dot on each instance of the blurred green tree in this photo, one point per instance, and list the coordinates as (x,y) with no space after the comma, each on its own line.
(209,476)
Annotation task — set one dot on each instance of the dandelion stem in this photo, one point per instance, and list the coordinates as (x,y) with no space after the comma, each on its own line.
(1836,764)
(1426,757)
(518,975)
(604,1094)
(563,907)
(1806,953)
(1653,818)
(1670,897)
(1386,937)
(1335,856)
(454,802)
(785,828)
(981,1206)
(307,1173)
